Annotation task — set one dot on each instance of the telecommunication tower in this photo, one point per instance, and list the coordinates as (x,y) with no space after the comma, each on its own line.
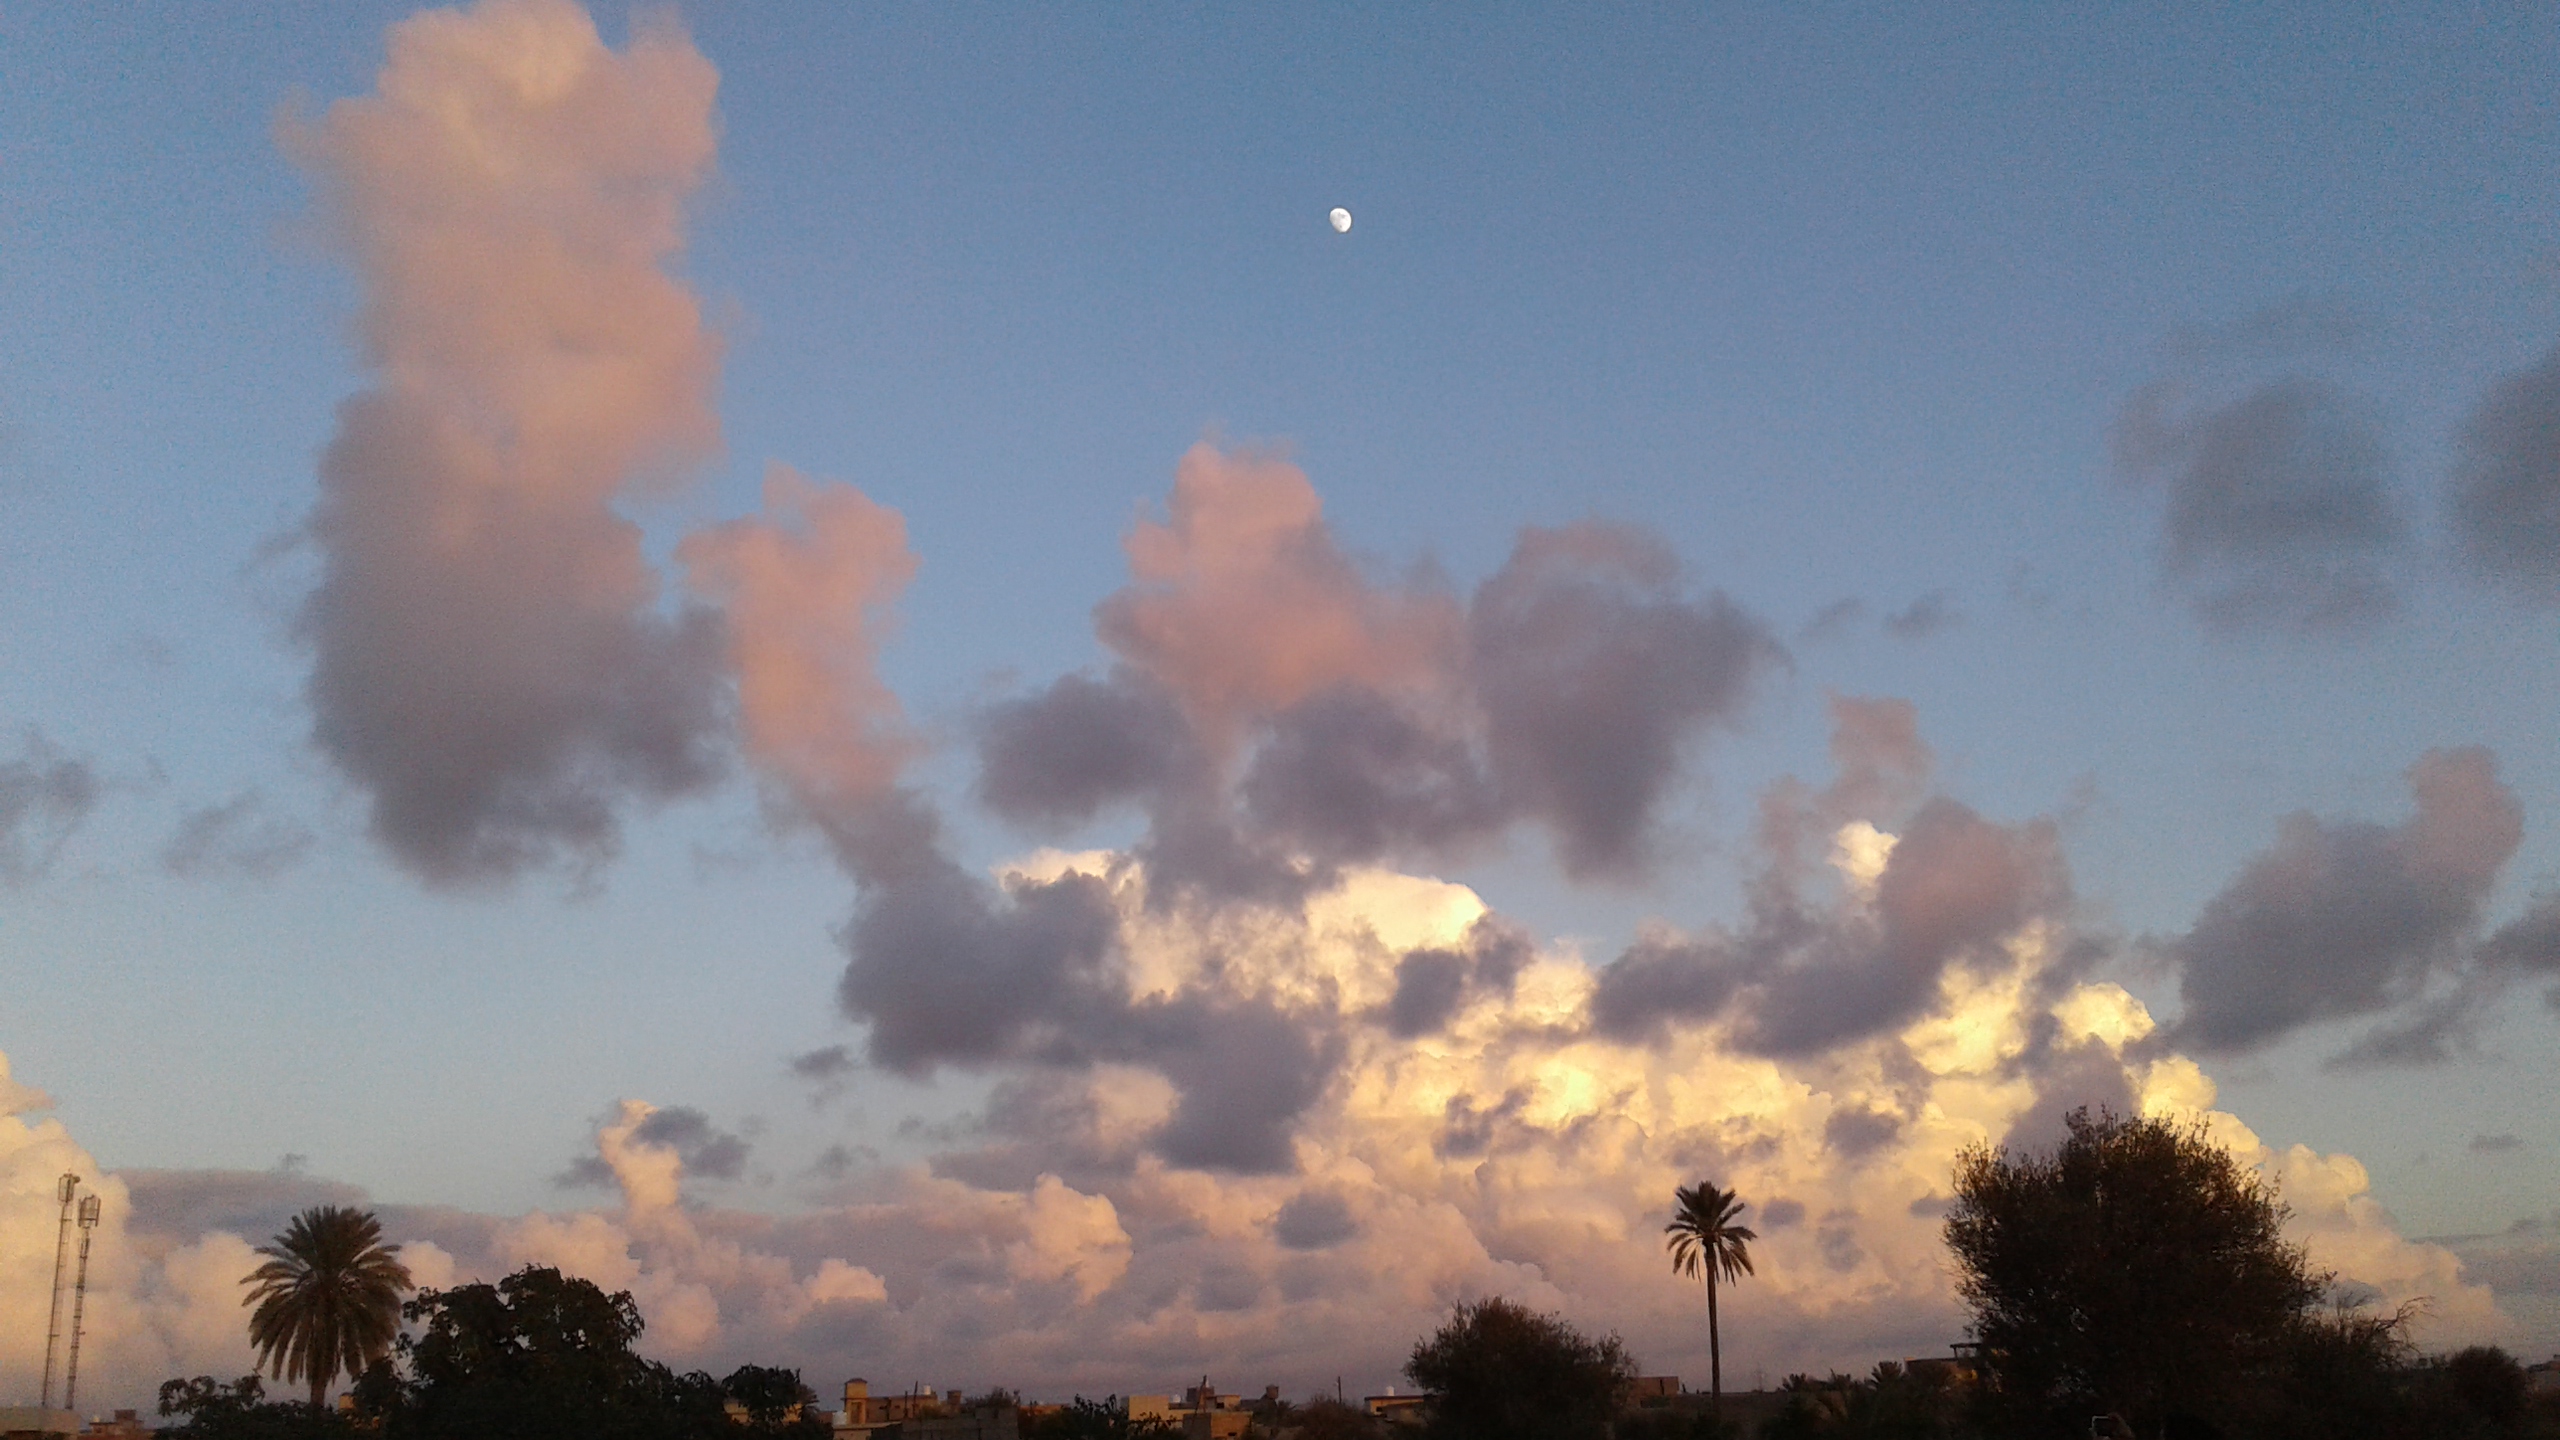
(79,1302)
(67,1188)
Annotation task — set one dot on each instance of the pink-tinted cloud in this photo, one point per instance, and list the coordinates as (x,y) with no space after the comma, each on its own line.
(492,667)
(807,592)
(1244,605)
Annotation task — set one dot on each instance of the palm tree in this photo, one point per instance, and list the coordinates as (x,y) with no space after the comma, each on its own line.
(329,1298)
(1704,1238)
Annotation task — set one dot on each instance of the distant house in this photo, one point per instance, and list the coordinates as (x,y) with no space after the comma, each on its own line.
(865,1413)
(2543,1379)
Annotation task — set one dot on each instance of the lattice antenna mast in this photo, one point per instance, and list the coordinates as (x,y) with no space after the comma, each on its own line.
(66,1188)
(79,1302)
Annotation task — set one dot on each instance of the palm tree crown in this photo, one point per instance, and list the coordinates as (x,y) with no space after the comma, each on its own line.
(329,1298)
(1703,1238)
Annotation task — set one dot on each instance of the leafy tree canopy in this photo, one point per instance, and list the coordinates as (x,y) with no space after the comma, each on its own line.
(1498,1371)
(210,1409)
(2138,1269)
(1103,1419)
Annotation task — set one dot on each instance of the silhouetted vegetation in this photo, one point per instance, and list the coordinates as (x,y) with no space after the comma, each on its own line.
(1498,1371)
(1704,1238)
(1326,1418)
(328,1298)
(1894,1400)
(210,1409)
(2138,1270)
(1103,1419)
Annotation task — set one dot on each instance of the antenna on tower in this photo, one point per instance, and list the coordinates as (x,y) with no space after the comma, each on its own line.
(79,1302)
(67,1187)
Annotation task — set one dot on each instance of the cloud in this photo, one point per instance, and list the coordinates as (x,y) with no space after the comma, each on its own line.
(806,594)
(2499,1144)
(491,662)
(2506,494)
(1593,671)
(1923,617)
(236,839)
(2347,917)
(686,1134)
(44,795)
(1243,606)
(2280,514)
(1276,711)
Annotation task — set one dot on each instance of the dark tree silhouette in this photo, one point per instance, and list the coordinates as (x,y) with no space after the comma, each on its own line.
(328,1297)
(1498,1371)
(1703,1238)
(2138,1270)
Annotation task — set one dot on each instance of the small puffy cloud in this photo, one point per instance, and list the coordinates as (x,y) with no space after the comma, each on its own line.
(644,1147)
(2347,917)
(2498,1144)
(1923,617)
(238,838)
(2506,495)
(806,596)
(2279,506)
(44,795)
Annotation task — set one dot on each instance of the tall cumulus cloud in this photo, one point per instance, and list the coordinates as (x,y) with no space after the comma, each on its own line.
(493,663)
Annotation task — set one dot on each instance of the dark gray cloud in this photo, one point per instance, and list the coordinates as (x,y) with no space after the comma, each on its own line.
(1243,1073)
(497,680)
(2528,944)
(1779,1214)
(1592,672)
(2506,495)
(1057,757)
(1432,984)
(1955,886)
(1353,775)
(2347,917)
(827,1063)
(254,1203)
(2087,1075)
(1832,620)
(2498,1144)
(1314,1220)
(1923,617)
(1663,980)
(1856,1130)
(708,1152)
(237,839)
(2280,513)
(44,795)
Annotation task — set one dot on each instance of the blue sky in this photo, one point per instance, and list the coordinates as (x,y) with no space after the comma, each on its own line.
(1843,305)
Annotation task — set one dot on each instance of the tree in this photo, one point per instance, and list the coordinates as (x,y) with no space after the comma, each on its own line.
(543,1354)
(1103,1419)
(328,1298)
(775,1401)
(2137,1270)
(1703,1238)
(1497,1371)
(208,1409)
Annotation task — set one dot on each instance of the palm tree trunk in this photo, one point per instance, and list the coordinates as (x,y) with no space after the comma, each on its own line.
(1715,1351)
(319,1387)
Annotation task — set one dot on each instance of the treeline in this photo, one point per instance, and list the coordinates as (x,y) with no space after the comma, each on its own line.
(537,1356)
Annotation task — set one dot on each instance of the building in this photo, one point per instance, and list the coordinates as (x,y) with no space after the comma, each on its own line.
(127,1425)
(31,1422)
(2543,1379)
(864,1412)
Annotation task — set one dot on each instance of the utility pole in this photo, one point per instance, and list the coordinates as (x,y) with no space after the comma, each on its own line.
(67,1187)
(79,1302)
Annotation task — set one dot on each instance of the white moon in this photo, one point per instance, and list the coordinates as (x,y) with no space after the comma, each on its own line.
(1341,221)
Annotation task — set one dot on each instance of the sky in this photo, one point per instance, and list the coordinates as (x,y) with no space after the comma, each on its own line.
(842,666)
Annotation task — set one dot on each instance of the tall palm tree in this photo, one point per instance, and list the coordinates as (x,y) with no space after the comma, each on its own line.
(329,1298)
(1704,1238)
